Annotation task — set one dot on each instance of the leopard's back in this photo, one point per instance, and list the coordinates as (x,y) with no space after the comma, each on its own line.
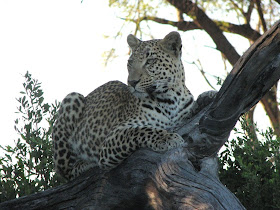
(105,108)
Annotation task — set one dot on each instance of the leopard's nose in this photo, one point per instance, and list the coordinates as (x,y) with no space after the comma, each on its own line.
(133,83)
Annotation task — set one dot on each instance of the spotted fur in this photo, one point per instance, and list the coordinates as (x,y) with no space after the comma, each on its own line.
(114,120)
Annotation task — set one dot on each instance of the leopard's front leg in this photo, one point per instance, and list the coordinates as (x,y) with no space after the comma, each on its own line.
(123,141)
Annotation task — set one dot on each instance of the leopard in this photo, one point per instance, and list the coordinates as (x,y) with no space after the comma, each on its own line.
(113,121)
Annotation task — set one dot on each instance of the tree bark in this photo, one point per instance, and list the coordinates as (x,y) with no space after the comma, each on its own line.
(182,178)
(251,78)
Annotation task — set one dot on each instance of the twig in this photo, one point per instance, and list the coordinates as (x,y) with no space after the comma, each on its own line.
(259,8)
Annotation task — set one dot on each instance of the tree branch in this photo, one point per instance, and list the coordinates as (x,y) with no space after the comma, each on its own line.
(199,67)
(249,116)
(180,16)
(203,21)
(243,30)
(259,8)
(146,180)
(252,76)
(181,25)
(270,105)
(238,8)
(248,14)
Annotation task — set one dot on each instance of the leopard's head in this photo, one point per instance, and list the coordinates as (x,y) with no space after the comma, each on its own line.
(155,66)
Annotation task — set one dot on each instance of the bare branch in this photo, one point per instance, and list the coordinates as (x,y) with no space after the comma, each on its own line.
(238,8)
(200,68)
(180,16)
(201,19)
(270,104)
(249,116)
(260,12)
(249,12)
(181,25)
(243,30)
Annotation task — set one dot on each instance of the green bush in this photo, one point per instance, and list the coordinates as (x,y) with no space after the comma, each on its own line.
(28,166)
(250,168)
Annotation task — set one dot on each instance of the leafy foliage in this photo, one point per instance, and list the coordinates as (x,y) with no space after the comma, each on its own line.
(28,166)
(251,168)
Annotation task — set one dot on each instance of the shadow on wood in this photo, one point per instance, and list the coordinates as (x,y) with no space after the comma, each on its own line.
(183,178)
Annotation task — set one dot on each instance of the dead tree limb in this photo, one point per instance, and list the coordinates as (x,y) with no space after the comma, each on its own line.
(252,76)
(183,178)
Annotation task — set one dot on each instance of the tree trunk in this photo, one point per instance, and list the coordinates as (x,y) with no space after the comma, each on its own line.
(182,178)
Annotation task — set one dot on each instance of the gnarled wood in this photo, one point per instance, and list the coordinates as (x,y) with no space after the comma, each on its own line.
(252,76)
(183,178)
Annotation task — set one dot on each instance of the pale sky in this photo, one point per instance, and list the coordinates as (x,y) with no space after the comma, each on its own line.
(60,42)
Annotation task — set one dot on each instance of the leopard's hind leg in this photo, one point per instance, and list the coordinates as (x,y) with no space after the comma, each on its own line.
(69,115)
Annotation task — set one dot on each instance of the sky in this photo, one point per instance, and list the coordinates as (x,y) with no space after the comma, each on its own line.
(61,42)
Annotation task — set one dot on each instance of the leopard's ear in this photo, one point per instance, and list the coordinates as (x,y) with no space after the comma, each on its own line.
(172,43)
(132,41)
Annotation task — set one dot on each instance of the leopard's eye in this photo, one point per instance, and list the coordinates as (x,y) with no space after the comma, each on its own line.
(150,61)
